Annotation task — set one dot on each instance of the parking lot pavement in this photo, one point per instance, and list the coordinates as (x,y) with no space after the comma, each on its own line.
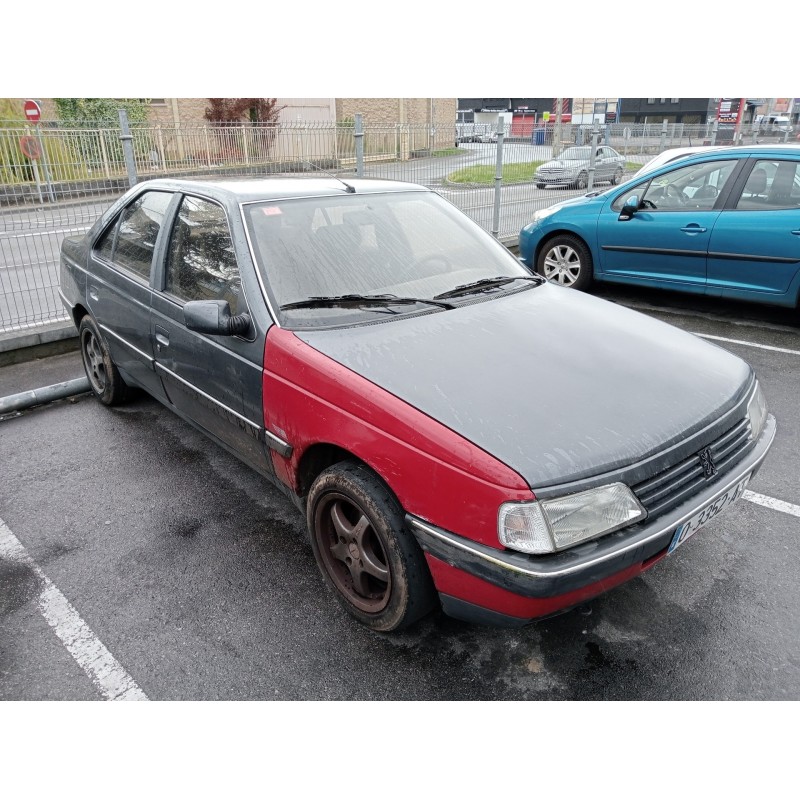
(194,576)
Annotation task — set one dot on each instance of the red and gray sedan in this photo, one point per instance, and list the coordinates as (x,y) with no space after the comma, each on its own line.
(458,433)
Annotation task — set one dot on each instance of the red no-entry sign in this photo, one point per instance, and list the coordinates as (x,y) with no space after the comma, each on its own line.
(33,111)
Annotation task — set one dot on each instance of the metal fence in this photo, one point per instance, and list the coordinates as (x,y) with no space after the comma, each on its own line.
(56,180)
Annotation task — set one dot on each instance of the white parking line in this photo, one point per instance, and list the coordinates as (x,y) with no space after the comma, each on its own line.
(771,502)
(90,653)
(749,344)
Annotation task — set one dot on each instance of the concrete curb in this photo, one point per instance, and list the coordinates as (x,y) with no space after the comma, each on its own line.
(44,340)
(35,397)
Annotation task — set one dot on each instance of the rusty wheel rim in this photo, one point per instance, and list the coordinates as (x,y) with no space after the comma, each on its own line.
(352,553)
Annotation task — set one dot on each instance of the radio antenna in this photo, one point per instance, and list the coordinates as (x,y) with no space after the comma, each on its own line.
(347,187)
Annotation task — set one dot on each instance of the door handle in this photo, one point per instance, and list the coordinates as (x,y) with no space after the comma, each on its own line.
(94,294)
(693,228)
(162,337)
(796,233)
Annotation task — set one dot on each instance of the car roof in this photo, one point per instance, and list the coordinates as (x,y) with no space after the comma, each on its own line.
(246,189)
(689,154)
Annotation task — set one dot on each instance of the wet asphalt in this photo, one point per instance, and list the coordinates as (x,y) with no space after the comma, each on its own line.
(196,574)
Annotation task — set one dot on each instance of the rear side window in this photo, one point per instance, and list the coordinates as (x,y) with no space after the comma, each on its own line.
(139,227)
(773,183)
(201,264)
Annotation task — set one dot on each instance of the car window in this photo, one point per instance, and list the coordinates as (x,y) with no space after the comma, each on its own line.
(201,261)
(686,188)
(139,226)
(772,183)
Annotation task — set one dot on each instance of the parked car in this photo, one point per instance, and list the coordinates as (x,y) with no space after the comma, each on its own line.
(571,168)
(377,356)
(672,154)
(774,125)
(724,223)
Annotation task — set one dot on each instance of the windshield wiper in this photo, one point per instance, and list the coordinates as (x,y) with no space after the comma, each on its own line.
(362,300)
(486,283)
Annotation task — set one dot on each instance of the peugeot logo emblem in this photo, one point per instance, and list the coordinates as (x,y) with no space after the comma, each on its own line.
(707,462)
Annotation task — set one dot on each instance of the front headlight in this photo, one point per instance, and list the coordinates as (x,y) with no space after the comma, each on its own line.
(757,411)
(547,526)
(542,213)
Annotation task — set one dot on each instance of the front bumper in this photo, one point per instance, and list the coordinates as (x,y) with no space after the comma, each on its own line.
(599,562)
(555,180)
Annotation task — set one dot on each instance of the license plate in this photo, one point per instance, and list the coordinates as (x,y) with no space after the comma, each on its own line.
(705,515)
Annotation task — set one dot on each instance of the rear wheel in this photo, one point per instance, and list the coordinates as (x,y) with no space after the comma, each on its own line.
(365,554)
(566,260)
(104,378)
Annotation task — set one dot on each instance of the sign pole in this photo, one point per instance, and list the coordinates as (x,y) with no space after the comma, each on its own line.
(25,144)
(47,176)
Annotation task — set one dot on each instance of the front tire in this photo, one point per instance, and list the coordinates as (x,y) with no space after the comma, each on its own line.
(104,378)
(366,556)
(582,181)
(616,178)
(566,260)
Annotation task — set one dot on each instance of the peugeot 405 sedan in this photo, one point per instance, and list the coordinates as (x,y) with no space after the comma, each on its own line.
(724,223)
(377,356)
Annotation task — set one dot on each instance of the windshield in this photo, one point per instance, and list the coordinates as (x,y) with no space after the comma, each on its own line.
(394,245)
(576,154)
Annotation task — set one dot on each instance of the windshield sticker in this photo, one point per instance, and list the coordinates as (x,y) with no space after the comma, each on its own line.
(270,211)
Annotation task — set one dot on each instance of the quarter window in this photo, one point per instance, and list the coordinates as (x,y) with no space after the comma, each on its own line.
(201,264)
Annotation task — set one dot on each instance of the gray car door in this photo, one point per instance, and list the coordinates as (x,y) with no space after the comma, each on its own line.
(214,381)
(118,286)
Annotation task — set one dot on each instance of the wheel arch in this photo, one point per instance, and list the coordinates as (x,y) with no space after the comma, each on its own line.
(321,455)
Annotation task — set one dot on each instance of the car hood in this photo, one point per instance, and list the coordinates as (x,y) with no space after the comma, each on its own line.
(558,385)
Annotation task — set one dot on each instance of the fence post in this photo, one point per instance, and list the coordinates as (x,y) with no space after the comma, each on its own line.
(714,126)
(161,155)
(663,146)
(498,178)
(245,148)
(592,157)
(359,137)
(208,148)
(104,153)
(127,146)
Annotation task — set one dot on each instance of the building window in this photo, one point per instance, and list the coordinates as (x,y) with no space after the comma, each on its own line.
(158,101)
(651,101)
(675,100)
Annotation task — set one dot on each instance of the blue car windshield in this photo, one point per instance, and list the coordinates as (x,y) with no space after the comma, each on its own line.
(398,244)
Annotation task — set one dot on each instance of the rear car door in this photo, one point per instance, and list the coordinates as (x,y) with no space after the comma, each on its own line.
(213,381)
(754,251)
(118,286)
(666,241)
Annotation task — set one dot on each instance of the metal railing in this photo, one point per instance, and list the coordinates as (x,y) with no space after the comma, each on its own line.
(56,180)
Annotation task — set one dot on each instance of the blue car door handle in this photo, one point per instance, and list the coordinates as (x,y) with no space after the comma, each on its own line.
(693,228)
(796,233)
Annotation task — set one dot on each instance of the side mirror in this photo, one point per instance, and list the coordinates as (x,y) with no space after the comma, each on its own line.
(630,208)
(214,317)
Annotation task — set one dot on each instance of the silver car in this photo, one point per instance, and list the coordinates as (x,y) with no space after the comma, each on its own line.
(571,168)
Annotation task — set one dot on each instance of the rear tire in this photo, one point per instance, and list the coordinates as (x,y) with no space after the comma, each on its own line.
(366,556)
(566,260)
(104,379)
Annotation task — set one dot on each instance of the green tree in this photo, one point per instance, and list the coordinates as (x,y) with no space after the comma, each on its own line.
(99,112)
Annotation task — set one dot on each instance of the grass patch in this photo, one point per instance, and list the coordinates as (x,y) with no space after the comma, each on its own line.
(450,151)
(483,174)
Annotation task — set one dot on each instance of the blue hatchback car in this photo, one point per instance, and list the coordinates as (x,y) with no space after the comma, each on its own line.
(724,223)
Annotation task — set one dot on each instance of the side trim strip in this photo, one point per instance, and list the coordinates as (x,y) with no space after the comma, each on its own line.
(208,397)
(658,251)
(150,360)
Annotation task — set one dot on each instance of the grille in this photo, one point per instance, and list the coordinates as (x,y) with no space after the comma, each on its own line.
(668,488)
